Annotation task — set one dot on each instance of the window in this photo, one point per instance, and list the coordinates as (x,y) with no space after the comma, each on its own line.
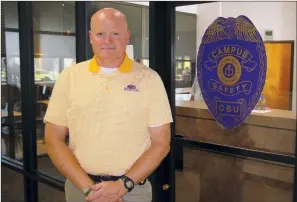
(54,50)
(11,111)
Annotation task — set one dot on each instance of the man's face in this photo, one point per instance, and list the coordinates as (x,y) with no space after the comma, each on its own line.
(109,37)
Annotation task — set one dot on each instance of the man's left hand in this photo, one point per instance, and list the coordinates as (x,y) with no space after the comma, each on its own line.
(107,191)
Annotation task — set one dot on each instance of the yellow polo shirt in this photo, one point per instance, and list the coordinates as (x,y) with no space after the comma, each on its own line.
(108,115)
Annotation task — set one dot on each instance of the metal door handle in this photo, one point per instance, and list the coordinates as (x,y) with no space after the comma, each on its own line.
(165,187)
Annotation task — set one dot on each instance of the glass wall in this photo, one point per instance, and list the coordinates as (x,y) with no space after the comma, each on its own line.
(54,50)
(11,111)
(49,194)
(271,127)
(12,185)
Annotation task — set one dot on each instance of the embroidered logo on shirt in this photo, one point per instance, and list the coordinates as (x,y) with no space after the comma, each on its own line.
(131,87)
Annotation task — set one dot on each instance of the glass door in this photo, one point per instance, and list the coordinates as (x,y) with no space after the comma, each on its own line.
(256,160)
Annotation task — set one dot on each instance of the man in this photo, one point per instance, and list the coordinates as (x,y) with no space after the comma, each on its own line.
(118,118)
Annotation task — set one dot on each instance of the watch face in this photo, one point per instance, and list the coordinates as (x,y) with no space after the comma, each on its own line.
(129,184)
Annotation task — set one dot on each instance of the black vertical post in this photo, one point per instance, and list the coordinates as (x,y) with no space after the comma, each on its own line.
(82,26)
(295,168)
(28,98)
(162,60)
(11,92)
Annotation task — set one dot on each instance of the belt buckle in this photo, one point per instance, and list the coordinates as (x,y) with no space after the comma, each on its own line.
(102,178)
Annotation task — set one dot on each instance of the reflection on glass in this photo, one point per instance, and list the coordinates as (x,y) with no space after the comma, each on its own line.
(46,69)
(146,62)
(11,111)
(54,47)
(13,69)
(3,71)
(68,62)
(143,61)
(184,73)
(205,177)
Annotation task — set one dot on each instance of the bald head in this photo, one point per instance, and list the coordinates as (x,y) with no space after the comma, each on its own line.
(109,34)
(109,14)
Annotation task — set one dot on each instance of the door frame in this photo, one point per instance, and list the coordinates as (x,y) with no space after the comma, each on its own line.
(162,60)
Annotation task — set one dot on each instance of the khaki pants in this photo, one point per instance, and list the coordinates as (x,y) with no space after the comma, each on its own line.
(141,193)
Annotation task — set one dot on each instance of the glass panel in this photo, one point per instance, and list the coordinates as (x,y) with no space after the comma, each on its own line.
(145,34)
(12,187)
(212,177)
(54,50)
(138,24)
(272,125)
(11,112)
(49,194)
(185,46)
(46,166)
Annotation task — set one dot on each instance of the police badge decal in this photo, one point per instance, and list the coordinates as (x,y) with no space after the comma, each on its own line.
(231,69)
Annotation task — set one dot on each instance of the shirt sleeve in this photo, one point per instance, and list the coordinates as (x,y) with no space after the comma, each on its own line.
(159,107)
(56,112)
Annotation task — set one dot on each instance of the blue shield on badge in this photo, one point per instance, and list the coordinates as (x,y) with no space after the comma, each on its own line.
(231,69)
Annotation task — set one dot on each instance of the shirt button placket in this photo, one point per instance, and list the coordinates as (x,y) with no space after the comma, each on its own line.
(107,83)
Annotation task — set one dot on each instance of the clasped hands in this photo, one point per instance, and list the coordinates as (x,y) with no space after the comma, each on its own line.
(107,191)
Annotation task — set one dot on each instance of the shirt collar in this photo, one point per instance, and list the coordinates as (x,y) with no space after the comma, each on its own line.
(125,67)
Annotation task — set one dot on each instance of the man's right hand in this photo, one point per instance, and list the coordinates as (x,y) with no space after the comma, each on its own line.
(99,200)
(112,191)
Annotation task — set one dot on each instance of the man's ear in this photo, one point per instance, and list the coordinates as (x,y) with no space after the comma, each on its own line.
(128,36)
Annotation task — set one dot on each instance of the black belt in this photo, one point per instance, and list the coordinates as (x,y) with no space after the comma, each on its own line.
(100,178)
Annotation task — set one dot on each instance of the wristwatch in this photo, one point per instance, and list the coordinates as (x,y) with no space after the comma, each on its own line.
(128,183)
(88,192)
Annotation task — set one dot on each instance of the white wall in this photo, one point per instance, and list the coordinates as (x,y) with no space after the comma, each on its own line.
(186,9)
(144,3)
(206,14)
(277,16)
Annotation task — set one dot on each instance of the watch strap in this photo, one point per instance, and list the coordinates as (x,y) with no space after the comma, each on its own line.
(88,192)
(126,180)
